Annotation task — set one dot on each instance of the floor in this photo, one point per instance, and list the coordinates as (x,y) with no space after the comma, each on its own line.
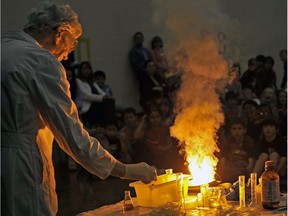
(78,191)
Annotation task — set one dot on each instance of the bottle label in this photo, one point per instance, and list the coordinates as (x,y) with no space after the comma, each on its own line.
(270,191)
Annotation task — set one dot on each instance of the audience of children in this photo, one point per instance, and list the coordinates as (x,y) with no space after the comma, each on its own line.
(254,131)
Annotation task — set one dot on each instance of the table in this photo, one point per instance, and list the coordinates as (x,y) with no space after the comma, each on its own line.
(117,210)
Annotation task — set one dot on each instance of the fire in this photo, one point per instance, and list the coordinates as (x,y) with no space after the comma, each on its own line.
(198,109)
(192,29)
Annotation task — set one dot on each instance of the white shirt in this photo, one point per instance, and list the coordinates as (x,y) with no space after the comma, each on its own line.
(84,95)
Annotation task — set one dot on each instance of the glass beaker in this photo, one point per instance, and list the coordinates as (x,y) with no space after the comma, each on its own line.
(127,203)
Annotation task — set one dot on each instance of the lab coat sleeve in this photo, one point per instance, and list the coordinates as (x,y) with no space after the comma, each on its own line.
(50,92)
(88,96)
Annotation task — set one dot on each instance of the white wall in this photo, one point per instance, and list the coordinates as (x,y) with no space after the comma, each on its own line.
(110,25)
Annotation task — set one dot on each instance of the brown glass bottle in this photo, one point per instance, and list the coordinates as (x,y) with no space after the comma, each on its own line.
(128,203)
(270,187)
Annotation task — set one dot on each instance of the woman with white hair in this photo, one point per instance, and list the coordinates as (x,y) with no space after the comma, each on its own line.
(36,107)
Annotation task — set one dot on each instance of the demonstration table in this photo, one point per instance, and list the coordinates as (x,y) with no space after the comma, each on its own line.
(117,209)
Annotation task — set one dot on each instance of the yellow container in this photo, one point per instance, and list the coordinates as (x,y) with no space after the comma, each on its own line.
(168,188)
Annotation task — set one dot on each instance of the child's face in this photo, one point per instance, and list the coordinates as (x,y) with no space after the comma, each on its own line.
(253,66)
(235,72)
(269,130)
(237,130)
(268,94)
(250,111)
(233,102)
(247,94)
(130,118)
(155,118)
(111,130)
(262,112)
(164,108)
(268,64)
(282,96)
(100,81)
(98,130)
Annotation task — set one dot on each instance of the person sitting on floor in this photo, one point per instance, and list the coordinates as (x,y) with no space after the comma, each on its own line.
(271,146)
(236,151)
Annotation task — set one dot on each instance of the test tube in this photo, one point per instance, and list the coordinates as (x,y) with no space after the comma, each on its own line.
(200,200)
(180,198)
(242,191)
(204,189)
(253,177)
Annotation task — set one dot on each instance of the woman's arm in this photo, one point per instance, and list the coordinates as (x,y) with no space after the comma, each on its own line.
(87,93)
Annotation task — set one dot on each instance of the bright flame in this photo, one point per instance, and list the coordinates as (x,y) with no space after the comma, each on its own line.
(192,29)
(199,112)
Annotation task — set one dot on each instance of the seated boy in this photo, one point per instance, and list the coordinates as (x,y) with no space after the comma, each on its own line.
(236,151)
(127,131)
(100,79)
(271,146)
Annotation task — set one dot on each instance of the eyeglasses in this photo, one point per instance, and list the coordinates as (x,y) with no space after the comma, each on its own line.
(71,41)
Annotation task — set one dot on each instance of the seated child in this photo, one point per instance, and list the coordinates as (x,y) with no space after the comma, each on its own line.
(271,146)
(236,151)
(166,109)
(231,107)
(117,146)
(161,148)
(131,123)
(100,79)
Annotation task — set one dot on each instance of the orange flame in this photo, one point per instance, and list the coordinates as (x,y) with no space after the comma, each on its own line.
(198,108)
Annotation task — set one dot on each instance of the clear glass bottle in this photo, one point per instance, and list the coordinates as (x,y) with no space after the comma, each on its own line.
(128,203)
(270,187)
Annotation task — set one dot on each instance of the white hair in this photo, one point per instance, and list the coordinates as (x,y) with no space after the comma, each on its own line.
(49,15)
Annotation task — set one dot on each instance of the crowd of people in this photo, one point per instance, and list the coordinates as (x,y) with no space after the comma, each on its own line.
(255,110)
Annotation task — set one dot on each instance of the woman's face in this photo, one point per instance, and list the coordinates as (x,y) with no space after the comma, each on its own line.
(86,70)
(157,44)
(66,41)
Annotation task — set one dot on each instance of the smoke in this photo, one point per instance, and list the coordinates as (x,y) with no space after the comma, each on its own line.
(195,34)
